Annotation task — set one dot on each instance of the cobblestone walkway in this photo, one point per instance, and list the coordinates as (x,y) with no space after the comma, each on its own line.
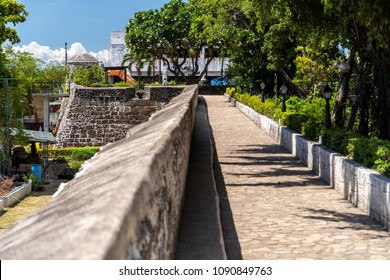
(275,208)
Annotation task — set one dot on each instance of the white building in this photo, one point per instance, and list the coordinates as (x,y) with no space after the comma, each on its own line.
(117,50)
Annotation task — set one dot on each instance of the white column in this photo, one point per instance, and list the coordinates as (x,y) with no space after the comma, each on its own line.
(46,114)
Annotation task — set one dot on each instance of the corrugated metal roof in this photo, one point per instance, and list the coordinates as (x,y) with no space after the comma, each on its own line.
(40,136)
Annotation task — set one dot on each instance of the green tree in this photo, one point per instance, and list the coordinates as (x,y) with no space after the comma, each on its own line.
(27,69)
(138,60)
(365,28)
(11,13)
(54,75)
(88,76)
(166,34)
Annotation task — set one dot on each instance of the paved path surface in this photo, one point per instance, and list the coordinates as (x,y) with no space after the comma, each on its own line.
(275,208)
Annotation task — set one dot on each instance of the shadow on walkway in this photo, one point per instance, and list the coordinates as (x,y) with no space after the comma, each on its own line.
(359,222)
(232,245)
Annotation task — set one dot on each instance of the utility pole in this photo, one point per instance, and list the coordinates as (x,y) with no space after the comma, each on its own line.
(66,53)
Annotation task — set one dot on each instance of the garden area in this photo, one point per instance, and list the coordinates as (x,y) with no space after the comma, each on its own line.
(64,163)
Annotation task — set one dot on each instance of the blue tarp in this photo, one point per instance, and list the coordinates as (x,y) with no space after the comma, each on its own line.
(220,81)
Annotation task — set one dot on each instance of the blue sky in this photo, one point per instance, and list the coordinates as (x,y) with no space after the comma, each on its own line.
(81,23)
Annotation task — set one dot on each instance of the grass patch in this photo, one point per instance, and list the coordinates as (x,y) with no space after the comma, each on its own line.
(23,209)
(65,158)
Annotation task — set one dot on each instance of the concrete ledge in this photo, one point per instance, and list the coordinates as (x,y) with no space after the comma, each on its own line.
(16,195)
(126,201)
(363,187)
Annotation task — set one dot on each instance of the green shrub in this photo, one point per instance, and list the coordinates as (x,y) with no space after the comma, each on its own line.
(88,76)
(363,150)
(294,121)
(35,182)
(121,84)
(100,85)
(67,152)
(82,154)
(312,129)
(230,91)
(382,159)
(371,152)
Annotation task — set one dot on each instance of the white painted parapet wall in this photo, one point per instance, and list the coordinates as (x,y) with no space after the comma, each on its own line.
(363,187)
(15,195)
(126,201)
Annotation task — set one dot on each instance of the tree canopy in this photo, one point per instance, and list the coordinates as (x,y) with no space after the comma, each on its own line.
(11,13)
(167,34)
(299,43)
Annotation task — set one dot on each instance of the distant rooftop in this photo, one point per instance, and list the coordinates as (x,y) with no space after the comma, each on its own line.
(83,58)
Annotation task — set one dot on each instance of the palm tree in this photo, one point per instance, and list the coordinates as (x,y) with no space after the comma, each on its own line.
(138,61)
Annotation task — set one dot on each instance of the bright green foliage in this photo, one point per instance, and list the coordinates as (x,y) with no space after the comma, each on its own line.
(139,60)
(36,183)
(303,116)
(73,157)
(32,76)
(298,43)
(165,34)
(88,77)
(382,161)
(121,84)
(53,76)
(72,152)
(372,153)
(82,154)
(313,67)
(11,13)
(270,108)
(27,69)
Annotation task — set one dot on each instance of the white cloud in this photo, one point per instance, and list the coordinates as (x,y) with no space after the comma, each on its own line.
(48,55)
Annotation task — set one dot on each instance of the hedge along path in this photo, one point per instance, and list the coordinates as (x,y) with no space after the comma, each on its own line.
(275,208)
(68,152)
(305,118)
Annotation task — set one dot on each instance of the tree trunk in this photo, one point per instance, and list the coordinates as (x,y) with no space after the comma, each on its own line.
(139,78)
(364,105)
(360,92)
(363,123)
(291,85)
(352,115)
(383,106)
(342,95)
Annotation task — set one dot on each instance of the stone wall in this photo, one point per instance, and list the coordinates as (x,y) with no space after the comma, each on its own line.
(363,187)
(126,201)
(97,116)
(163,94)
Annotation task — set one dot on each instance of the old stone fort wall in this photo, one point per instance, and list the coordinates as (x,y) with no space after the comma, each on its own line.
(97,116)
